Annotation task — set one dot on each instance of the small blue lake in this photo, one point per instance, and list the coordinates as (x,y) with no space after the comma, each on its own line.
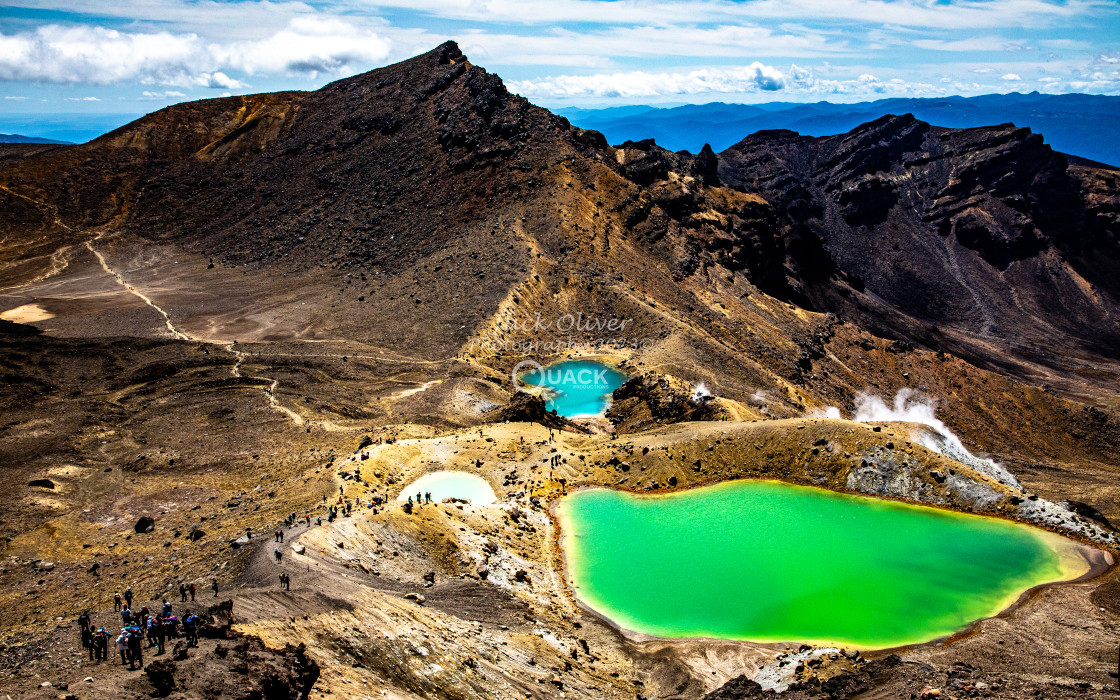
(575,388)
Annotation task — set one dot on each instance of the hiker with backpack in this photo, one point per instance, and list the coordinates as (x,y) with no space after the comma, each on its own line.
(122,645)
(87,641)
(101,645)
(190,627)
(171,624)
(135,648)
(160,630)
(117,602)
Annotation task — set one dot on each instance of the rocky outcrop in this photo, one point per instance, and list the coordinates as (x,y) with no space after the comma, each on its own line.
(913,229)
(244,669)
(529,408)
(737,688)
(649,399)
(261,673)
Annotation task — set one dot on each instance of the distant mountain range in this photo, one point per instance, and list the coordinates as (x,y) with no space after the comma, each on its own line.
(17,138)
(1081,125)
(65,127)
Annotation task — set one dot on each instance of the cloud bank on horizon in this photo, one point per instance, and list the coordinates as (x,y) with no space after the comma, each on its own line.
(62,55)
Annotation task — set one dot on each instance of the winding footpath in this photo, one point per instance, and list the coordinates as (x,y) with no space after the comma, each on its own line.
(175,332)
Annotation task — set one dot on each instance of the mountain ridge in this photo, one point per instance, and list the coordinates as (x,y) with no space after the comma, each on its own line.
(381,167)
(1078,124)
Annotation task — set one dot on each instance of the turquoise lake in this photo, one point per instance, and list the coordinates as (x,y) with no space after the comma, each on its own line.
(576,388)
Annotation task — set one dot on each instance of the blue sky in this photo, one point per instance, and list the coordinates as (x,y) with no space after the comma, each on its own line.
(134,56)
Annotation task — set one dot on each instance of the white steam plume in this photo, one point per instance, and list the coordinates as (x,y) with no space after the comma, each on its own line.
(912,407)
(826,412)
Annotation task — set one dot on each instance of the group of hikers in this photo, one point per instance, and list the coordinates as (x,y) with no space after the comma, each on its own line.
(122,602)
(135,628)
(141,625)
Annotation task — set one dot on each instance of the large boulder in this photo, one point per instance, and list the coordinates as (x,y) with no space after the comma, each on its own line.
(144,524)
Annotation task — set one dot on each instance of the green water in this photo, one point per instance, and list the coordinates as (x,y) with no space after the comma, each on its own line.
(768,561)
(576,388)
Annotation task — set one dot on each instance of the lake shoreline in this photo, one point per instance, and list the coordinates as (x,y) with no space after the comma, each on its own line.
(1076,561)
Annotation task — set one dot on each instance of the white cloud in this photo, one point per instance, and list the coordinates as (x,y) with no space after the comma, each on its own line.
(979,43)
(93,55)
(604,50)
(755,78)
(83,99)
(214,19)
(100,56)
(217,79)
(958,14)
(160,95)
(1010,77)
(308,46)
(752,78)
(19,98)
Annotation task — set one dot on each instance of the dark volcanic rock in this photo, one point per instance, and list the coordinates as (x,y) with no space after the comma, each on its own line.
(1087,511)
(17,329)
(525,407)
(736,689)
(161,674)
(647,399)
(986,232)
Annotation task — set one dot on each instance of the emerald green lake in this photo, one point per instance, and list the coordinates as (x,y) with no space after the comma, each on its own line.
(769,561)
